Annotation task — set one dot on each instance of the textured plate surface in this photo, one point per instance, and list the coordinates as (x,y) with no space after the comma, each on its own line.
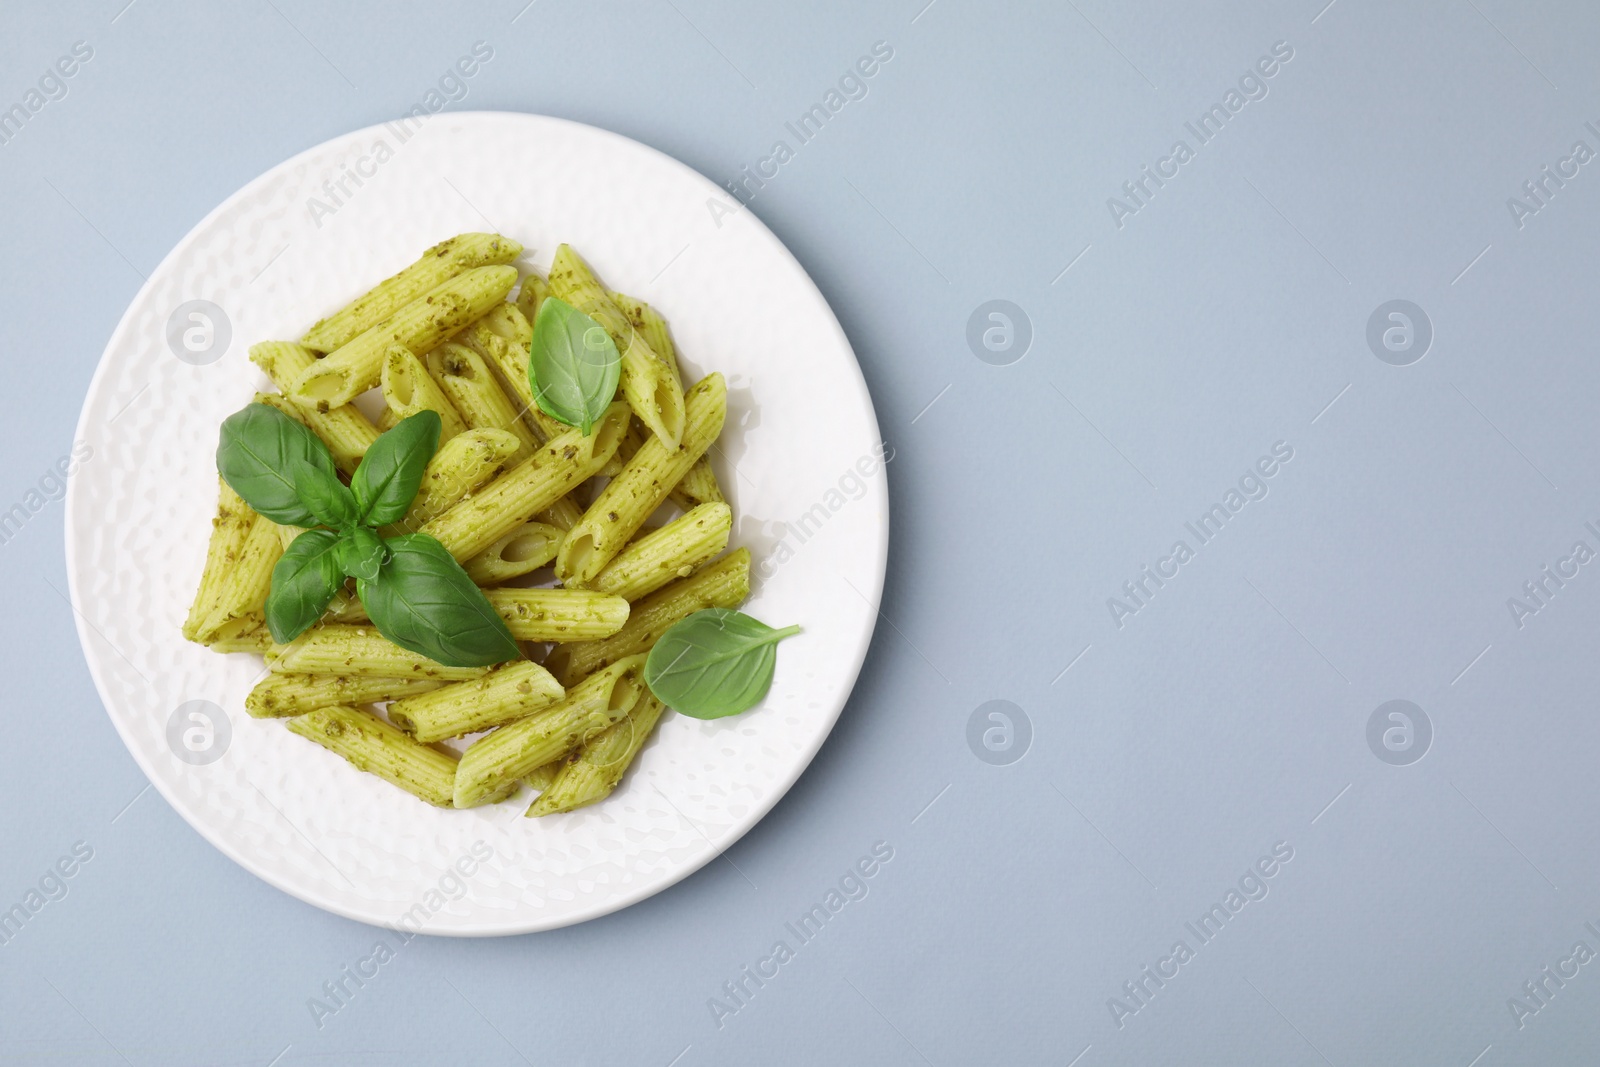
(292,246)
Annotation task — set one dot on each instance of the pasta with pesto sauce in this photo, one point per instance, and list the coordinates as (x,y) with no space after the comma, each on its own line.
(588,546)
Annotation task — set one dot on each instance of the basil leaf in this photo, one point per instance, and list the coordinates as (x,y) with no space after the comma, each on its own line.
(391,471)
(325,496)
(573,365)
(361,553)
(305,579)
(714,663)
(257,454)
(422,600)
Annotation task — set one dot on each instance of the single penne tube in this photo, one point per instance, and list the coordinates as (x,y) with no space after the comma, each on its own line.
(229,529)
(372,745)
(649,383)
(469,383)
(643,318)
(723,583)
(509,753)
(278,696)
(505,693)
(438,265)
(287,534)
(344,429)
(699,486)
(408,388)
(357,365)
(563,514)
(346,649)
(465,462)
(539,778)
(653,391)
(636,436)
(247,633)
(243,588)
(522,551)
(558,467)
(673,551)
(592,772)
(558,614)
(345,607)
(533,293)
(503,338)
(640,487)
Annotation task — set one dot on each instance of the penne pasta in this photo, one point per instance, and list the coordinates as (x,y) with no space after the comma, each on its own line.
(466,379)
(593,771)
(643,318)
(247,633)
(229,529)
(241,591)
(504,694)
(357,365)
(673,551)
(504,756)
(641,487)
(721,584)
(281,695)
(347,433)
(408,388)
(516,496)
(563,514)
(438,264)
(558,614)
(372,745)
(507,490)
(469,460)
(345,649)
(649,383)
(502,338)
(698,486)
(533,292)
(540,777)
(523,550)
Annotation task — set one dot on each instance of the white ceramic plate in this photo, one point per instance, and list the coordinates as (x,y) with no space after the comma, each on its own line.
(292,246)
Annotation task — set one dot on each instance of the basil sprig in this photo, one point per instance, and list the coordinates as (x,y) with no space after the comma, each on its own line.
(414,591)
(714,663)
(573,365)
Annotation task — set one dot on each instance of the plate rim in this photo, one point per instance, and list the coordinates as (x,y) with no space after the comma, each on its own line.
(603,906)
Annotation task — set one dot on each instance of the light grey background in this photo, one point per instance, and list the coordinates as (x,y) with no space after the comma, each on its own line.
(1227,716)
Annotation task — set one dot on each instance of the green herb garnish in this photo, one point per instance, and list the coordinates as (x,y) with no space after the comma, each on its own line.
(573,365)
(715,663)
(415,592)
